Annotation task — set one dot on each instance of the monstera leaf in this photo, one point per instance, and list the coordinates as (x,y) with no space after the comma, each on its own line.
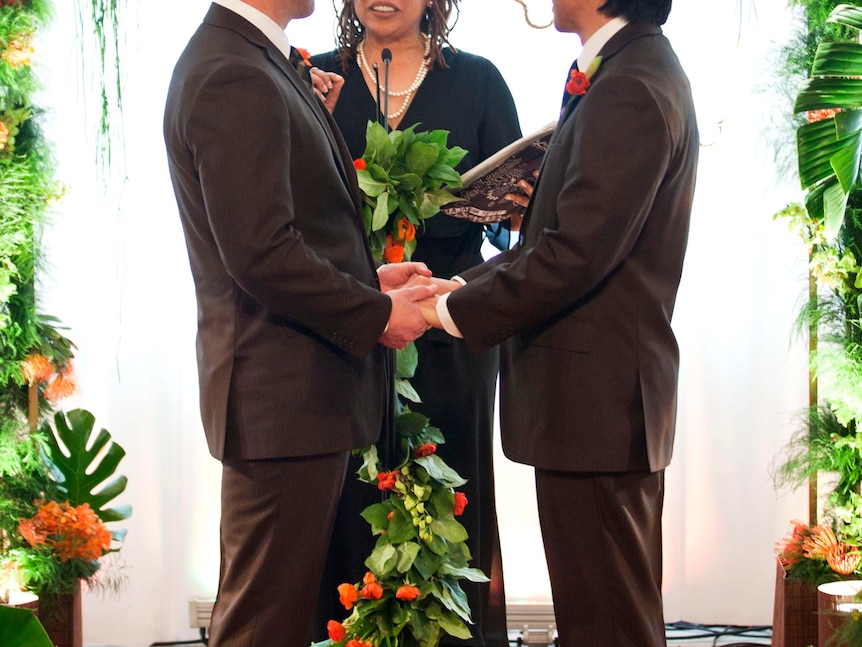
(20,628)
(85,462)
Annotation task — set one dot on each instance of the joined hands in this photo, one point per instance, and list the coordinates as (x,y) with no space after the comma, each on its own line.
(414,293)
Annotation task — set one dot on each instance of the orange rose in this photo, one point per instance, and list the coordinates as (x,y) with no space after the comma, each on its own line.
(460,503)
(407,593)
(372,591)
(426,449)
(387,480)
(368,578)
(406,230)
(394,251)
(336,631)
(347,595)
(359,164)
(578,83)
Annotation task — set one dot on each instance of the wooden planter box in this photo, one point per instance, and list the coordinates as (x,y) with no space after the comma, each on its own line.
(794,617)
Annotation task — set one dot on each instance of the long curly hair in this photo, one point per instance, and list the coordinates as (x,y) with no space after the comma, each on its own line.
(349,32)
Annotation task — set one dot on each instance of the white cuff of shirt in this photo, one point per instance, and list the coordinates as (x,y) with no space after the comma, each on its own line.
(443,312)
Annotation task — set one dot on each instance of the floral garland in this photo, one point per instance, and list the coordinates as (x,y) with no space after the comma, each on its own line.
(411,592)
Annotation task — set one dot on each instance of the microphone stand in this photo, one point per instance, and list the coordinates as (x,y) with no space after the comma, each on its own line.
(386,55)
(380,120)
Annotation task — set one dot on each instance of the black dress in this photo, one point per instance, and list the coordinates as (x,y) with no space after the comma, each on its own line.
(470,99)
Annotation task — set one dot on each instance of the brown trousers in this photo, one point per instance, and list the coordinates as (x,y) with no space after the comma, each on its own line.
(602,538)
(276,521)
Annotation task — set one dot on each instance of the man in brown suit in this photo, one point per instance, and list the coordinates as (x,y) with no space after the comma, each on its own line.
(590,363)
(293,315)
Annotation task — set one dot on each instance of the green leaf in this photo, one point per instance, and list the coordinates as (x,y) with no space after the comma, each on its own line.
(20,628)
(407,553)
(369,469)
(445,174)
(421,157)
(472,574)
(86,463)
(406,390)
(383,560)
(440,471)
(834,205)
(449,529)
(410,424)
(369,186)
(406,361)
(376,514)
(381,213)
(846,14)
(401,529)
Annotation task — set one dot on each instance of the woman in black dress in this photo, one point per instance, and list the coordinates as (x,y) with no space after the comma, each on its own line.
(437,87)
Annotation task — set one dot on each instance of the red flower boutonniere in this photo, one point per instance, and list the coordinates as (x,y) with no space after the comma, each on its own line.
(306,56)
(579,82)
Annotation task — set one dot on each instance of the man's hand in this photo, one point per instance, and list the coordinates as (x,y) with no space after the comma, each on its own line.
(521,200)
(397,275)
(406,322)
(327,86)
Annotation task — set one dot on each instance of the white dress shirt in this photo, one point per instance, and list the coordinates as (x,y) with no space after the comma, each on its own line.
(267,25)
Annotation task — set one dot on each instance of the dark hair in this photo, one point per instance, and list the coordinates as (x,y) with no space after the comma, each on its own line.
(653,11)
(349,31)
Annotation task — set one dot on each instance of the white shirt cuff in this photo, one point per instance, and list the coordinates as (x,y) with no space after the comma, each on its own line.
(445,318)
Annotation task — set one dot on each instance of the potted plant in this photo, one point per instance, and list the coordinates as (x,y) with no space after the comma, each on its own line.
(829,149)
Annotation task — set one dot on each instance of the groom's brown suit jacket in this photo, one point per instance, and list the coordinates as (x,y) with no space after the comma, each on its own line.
(289,307)
(590,364)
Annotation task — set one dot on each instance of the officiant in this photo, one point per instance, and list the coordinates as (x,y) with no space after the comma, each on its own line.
(438,87)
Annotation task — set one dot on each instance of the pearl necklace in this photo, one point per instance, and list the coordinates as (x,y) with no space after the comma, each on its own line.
(408,93)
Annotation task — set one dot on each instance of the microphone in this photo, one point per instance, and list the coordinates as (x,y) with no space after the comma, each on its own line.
(386,55)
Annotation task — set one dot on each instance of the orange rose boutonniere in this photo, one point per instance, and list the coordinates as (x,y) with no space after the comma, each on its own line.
(579,82)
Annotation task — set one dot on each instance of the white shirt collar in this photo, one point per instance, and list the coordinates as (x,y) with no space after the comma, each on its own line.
(595,42)
(267,25)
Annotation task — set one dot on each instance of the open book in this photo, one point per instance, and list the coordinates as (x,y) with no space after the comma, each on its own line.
(486,183)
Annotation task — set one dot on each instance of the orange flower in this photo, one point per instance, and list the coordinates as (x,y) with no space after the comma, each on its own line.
(425,449)
(36,368)
(405,230)
(306,56)
(347,595)
(394,250)
(4,135)
(843,558)
(790,549)
(387,480)
(578,83)
(372,591)
(369,578)
(359,164)
(823,113)
(62,386)
(460,503)
(336,631)
(407,593)
(818,544)
(390,515)
(18,52)
(73,532)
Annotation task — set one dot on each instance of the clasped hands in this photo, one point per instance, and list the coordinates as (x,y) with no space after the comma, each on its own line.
(414,293)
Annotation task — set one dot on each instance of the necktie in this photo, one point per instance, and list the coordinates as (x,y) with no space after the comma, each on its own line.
(302,68)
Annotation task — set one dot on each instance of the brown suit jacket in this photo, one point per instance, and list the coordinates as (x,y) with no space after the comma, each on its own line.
(289,307)
(590,366)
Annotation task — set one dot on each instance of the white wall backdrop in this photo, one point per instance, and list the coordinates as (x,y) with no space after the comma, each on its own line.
(119,280)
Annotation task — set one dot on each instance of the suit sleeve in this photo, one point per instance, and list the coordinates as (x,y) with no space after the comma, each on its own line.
(247,137)
(611,162)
